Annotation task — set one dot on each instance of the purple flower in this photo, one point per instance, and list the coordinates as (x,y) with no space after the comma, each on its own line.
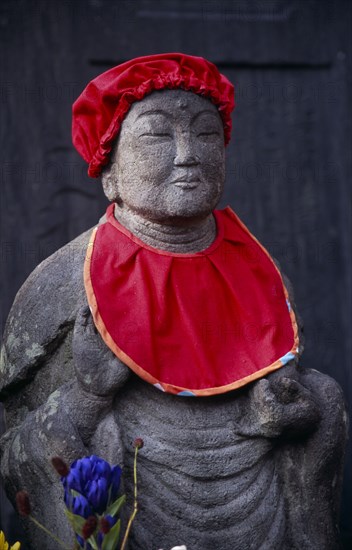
(96,482)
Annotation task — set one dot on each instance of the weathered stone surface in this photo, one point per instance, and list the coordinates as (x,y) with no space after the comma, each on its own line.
(255,468)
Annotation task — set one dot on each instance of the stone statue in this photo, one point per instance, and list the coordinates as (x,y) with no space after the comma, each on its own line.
(256,466)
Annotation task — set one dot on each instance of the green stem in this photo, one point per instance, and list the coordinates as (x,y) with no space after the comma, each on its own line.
(38,524)
(135,502)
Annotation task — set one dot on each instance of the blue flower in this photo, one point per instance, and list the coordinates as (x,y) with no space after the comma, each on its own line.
(96,482)
(91,489)
(78,505)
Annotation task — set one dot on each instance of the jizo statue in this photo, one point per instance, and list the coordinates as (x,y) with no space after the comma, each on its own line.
(170,322)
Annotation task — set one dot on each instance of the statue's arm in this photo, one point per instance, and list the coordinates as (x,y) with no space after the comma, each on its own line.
(100,375)
(36,358)
(68,421)
(76,420)
(304,412)
(311,468)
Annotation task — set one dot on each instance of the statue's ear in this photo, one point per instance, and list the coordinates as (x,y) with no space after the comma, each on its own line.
(110,183)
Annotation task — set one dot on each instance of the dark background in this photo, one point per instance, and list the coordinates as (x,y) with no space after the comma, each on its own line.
(289,161)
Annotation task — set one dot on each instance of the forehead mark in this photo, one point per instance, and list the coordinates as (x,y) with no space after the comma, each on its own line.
(182,103)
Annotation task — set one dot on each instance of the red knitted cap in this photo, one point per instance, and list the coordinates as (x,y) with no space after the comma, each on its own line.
(100,109)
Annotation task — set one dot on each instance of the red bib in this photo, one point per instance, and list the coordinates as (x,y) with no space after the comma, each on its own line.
(191,324)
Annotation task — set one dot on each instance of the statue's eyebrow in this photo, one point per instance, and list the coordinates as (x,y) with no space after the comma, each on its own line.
(208,111)
(170,116)
(154,112)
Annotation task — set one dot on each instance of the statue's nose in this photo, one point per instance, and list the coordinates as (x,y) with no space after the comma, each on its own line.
(185,155)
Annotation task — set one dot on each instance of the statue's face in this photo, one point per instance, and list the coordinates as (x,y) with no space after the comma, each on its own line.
(169,161)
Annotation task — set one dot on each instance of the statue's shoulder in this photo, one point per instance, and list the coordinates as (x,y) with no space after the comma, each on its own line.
(43,313)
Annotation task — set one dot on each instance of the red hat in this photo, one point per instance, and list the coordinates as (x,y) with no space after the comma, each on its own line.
(100,109)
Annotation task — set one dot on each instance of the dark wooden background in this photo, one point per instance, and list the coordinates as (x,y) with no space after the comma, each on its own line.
(289,162)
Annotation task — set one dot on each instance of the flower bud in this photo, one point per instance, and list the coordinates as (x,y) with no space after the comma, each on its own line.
(23,504)
(104,526)
(138,443)
(60,466)
(89,527)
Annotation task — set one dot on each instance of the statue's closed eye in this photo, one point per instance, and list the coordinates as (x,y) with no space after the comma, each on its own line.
(156,134)
(155,137)
(211,135)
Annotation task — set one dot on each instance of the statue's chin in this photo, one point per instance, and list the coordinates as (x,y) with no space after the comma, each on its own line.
(178,216)
(178,211)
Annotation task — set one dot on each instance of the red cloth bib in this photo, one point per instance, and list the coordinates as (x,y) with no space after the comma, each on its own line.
(191,324)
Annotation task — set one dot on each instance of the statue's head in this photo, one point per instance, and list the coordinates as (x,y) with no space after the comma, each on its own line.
(156,129)
(169,159)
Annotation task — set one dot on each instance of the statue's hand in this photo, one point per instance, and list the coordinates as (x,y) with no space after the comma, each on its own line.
(280,405)
(98,370)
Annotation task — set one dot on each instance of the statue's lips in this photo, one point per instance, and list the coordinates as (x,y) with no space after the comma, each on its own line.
(184,183)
